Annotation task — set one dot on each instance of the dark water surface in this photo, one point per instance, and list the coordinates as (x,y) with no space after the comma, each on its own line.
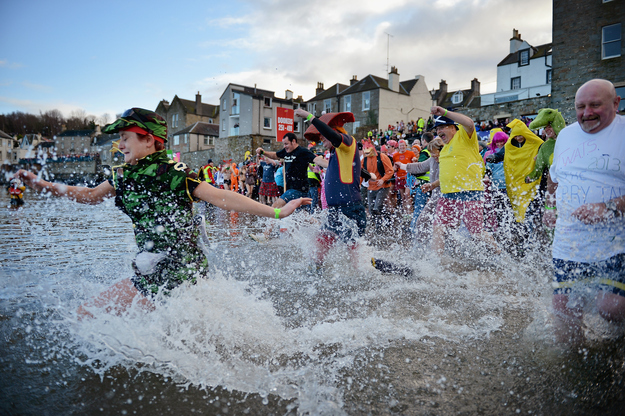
(263,336)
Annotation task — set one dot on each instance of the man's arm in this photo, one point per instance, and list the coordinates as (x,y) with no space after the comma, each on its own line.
(321,161)
(461,119)
(271,155)
(600,211)
(80,194)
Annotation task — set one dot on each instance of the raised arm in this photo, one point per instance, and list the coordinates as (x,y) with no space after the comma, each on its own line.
(461,119)
(80,194)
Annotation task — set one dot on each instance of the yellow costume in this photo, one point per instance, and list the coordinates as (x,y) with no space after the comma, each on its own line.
(519,162)
(461,166)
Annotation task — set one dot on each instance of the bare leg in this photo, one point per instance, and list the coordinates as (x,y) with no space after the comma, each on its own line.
(438,239)
(567,321)
(118,298)
(611,306)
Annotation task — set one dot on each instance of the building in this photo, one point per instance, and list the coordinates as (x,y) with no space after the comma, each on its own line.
(251,111)
(182,113)
(7,145)
(71,142)
(587,43)
(457,98)
(523,74)
(375,102)
(196,137)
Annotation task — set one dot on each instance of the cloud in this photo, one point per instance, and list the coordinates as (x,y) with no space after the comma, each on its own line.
(448,39)
(37,87)
(11,65)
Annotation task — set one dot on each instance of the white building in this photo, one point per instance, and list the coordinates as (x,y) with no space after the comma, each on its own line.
(524,73)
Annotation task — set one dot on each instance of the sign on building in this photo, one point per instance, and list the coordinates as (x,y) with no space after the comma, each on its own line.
(285,122)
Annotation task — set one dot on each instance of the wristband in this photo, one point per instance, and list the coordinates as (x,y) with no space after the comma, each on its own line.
(546,207)
(277,211)
(445,115)
(310,117)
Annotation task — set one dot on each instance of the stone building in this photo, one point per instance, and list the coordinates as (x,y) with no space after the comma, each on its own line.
(375,102)
(457,98)
(587,43)
(182,113)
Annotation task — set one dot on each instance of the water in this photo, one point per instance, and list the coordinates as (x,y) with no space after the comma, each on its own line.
(262,336)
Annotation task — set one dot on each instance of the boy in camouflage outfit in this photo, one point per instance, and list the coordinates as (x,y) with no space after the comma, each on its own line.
(157,194)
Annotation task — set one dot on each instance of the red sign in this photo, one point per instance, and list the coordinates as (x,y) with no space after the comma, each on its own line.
(285,122)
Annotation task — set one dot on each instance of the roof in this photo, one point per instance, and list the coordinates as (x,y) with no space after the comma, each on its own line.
(368,83)
(539,52)
(208,110)
(105,138)
(333,91)
(4,135)
(76,133)
(201,128)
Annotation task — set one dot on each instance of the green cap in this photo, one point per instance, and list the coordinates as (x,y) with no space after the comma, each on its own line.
(142,118)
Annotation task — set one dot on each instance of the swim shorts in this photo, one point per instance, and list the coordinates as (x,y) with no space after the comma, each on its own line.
(607,275)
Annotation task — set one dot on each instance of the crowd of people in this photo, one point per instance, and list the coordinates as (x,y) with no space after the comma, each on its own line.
(533,183)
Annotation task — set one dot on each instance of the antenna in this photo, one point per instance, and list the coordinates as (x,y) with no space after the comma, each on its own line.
(388,45)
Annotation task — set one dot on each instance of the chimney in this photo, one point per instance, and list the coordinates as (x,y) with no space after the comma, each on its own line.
(288,94)
(198,104)
(353,80)
(442,91)
(515,41)
(319,89)
(393,79)
(475,86)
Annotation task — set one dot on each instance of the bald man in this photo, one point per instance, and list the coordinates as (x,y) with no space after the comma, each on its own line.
(588,177)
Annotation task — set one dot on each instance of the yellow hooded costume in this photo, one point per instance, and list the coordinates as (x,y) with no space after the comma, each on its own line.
(517,164)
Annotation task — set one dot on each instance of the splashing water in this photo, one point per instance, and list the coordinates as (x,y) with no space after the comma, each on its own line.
(264,335)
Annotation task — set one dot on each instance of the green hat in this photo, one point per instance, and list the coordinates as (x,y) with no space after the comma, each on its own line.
(142,118)
(549,116)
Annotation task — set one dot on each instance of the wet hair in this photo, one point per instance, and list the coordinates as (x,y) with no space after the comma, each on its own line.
(436,145)
(292,137)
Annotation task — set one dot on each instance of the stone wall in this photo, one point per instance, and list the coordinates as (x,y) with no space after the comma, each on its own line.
(512,109)
(577,29)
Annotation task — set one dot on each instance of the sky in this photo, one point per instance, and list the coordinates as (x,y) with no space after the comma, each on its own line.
(106,56)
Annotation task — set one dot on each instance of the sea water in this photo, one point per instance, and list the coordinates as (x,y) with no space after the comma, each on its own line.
(263,335)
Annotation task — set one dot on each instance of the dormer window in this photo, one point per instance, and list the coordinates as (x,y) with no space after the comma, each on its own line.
(524,57)
(457,97)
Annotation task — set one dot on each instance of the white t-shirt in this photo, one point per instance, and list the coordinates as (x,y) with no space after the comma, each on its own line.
(588,168)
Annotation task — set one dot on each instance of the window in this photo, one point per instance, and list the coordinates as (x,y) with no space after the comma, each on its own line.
(347,104)
(267,123)
(223,105)
(548,76)
(235,103)
(327,106)
(296,126)
(524,57)
(209,141)
(267,101)
(223,124)
(355,126)
(313,108)
(611,41)
(174,120)
(186,138)
(366,100)
(515,83)
(457,97)
(176,140)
